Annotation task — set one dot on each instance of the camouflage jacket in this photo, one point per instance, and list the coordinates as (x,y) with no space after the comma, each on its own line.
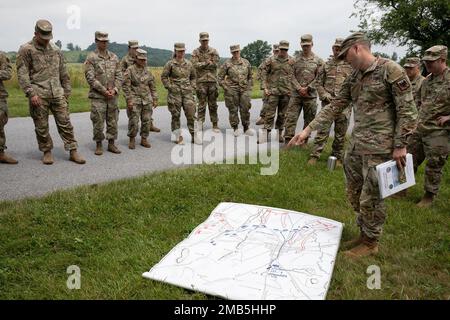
(259,72)
(102,73)
(139,86)
(331,77)
(434,102)
(236,74)
(416,87)
(384,109)
(306,71)
(178,76)
(206,63)
(277,74)
(5,73)
(42,71)
(126,62)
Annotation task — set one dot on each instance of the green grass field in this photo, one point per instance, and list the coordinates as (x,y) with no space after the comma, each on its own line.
(114,232)
(78,101)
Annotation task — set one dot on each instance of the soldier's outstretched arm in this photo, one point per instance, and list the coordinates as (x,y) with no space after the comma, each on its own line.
(331,111)
(250,77)
(5,68)
(193,78)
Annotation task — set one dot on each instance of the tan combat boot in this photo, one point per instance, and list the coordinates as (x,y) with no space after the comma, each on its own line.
(426,201)
(145,143)
(132,143)
(260,122)
(339,164)
(180,140)
(312,161)
(350,244)
(5,158)
(48,158)
(154,129)
(75,157)
(112,147)
(367,247)
(281,137)
(99,149)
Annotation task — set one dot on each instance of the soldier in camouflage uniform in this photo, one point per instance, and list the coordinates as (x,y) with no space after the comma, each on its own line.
(126,62)
(140,93)
(179,78)
(206,62)
(304,93)
(103,74)
(260,121)
(431,141)
(235,77)
(328,83)
(43,76)
(385,115)
(276,77)
(5,74)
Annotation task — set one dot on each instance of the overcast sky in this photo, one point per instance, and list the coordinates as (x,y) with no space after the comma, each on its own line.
(159,24)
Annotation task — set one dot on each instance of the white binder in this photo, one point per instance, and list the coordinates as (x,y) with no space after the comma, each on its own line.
(391,180)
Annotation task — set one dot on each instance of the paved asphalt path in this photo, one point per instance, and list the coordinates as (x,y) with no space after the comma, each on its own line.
(30,178)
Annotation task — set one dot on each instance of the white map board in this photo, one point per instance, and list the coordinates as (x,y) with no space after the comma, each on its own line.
(252,252)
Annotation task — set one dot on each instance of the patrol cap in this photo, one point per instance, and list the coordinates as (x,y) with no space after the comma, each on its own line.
(338,42)
(276,47)
(101,36)
(179,46)
(436,52)
(141,54)
(284,45)
(235,48)
(133,44)
(306,40)
(204,36)
(350,41)
(411,62)
(44,28)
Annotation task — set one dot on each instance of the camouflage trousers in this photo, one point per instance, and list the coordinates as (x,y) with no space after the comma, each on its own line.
(102,111)
(144,114)
(340,130)
(363,193)
(3,122)
(433,147)
(264,106)
(207,93)
(296,105)
(276,105)
(60,110)
(177,101)
(238,101)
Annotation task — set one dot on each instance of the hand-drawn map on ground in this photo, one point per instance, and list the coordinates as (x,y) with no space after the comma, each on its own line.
(252,252)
